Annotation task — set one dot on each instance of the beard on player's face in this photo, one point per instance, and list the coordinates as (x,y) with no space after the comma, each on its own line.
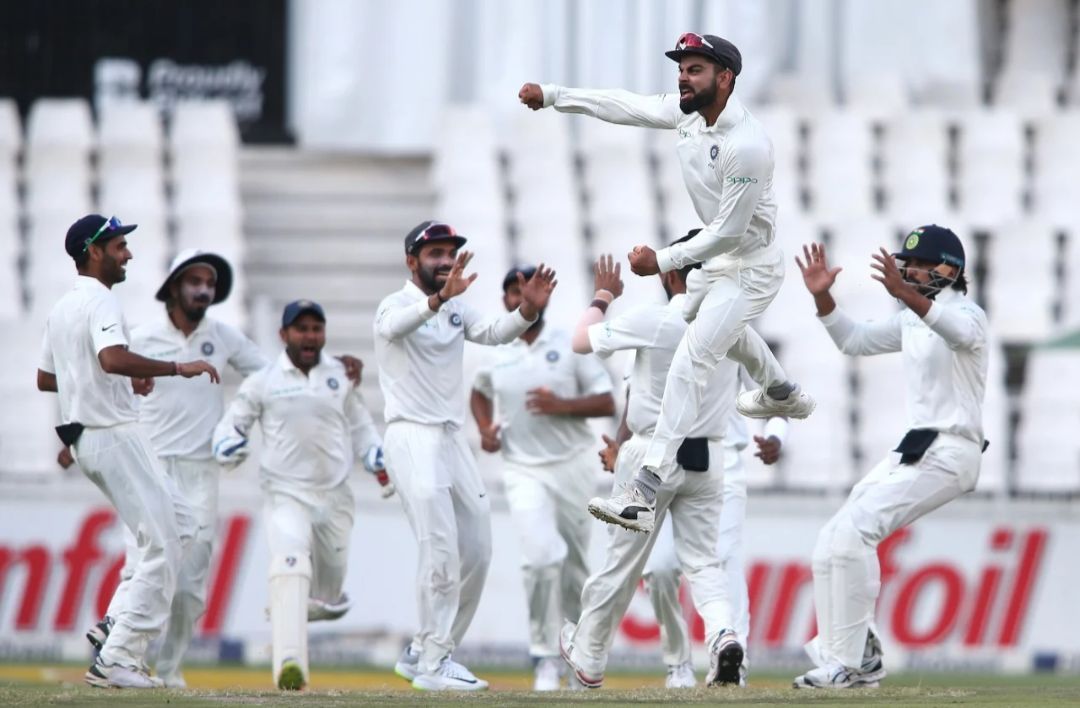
(433,265)
(697,98)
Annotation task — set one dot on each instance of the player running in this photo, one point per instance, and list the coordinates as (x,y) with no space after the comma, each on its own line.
(532,402)
(727,164)
(85,358)
(180,421)
(942,337)
(314,427)
(420,334)
(691,492)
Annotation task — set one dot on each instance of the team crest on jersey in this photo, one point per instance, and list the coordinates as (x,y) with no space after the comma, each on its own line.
(332,383)
(455,319)
(290,561)
(714,152)
(552,356)
(207,348)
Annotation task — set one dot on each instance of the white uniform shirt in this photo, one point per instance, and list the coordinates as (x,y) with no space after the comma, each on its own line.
(550,362)
(727,168)
(87,319)
(945,359)
(313,426)
(420,353)
(654,331)
(180,414)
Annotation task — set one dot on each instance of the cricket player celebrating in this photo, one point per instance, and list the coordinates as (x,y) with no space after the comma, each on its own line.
(180,420)
(532,403)
(314,427)
(727,164)
(420,334)
(942,337)
(85,358)
(662,572)
(691,492)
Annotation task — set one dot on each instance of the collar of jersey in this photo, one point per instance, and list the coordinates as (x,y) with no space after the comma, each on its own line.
(86,282)
(414,291)
(729,117)
(286,364)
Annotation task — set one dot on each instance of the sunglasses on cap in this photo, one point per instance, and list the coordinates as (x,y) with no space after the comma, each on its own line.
(111,225)
(692,40)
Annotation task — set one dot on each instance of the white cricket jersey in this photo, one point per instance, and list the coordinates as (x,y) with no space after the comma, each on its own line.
(420,353)
(87,319)
(549,362)
(945,359)
(654,331)
(313,426)
(180,414)
(727,168)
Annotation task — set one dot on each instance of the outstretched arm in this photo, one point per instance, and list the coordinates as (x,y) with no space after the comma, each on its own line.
(611,105)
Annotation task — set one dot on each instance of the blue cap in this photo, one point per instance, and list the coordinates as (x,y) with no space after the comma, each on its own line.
(93,228)
(934,244)
(511,275)
(301,307)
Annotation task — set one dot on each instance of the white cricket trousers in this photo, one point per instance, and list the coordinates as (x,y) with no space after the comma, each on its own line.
(662,573)
(734,296)
(548,505)
(847,576)
(693,500)
(448,509)
(121,462)
(196,482)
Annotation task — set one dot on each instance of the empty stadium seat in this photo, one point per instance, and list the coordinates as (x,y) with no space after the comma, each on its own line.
(1048,452)
(915,174)
(879,97)
(783,128)
(203,126)
(1021,280)
(994,474)
(1056,168)
(130,131)
(1031,95)
(839,159)
(1037,36)
(991,167)
(59,125)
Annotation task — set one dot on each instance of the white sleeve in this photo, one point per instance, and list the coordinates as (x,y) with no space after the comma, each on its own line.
(394,321)
(635,329)
(107,324)
(46,362)
(501,329)
(962,326)
(616,105)
(592,377)
(744,173)
(242,413)
(244,355)
(863,338)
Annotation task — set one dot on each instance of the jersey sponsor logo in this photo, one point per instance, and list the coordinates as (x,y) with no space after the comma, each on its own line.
(714,152)
(207,348)
(552,356)
(684,133)
(287,391)
(332,383)
(455,319)
(742,180)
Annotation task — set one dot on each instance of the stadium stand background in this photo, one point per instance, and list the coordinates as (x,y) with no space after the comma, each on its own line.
(884,116)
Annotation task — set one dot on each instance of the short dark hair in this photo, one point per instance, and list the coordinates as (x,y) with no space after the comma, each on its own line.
(960,283)
(684,272)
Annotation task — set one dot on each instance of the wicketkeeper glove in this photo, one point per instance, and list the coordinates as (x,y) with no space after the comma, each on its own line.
(373,463)
(232,450)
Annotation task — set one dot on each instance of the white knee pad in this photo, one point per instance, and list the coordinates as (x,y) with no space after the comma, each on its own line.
(290,586)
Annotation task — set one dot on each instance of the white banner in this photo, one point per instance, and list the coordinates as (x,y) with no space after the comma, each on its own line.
(978,585)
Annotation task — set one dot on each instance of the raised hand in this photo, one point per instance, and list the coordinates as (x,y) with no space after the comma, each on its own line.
(191,369)
(354,368)
(606,275)
(536,291)
(889,273)
(643,261)
(457,282)
(532,96)
(817,276)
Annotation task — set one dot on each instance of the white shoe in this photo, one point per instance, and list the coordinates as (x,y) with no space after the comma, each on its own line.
(579,678)
(97,634)
(836,675)
(317,610)
(680,676)
(450,676)
(756,404)
(628,509)
(725,660)
(546,677)
(101,675)
(174,681)
(407,666)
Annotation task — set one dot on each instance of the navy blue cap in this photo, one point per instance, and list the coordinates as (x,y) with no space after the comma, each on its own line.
(301,307)
(711,47)
(511,275)
(934,244)
(82,233)
(429,232)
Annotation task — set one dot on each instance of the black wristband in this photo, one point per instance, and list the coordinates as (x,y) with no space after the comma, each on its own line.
(599,304)
(439,297)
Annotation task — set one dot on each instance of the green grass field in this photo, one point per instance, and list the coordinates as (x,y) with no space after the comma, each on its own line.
(25,684)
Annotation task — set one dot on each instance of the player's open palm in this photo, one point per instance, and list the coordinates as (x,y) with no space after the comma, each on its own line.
(191,369)
(536,291)
(607,275)
(456,281)
(816,273)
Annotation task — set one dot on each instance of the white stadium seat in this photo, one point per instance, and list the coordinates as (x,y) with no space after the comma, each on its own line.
(1056,168)
(839,160)
(1021,281)
(991,167)
(915,172)
(1048,451)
